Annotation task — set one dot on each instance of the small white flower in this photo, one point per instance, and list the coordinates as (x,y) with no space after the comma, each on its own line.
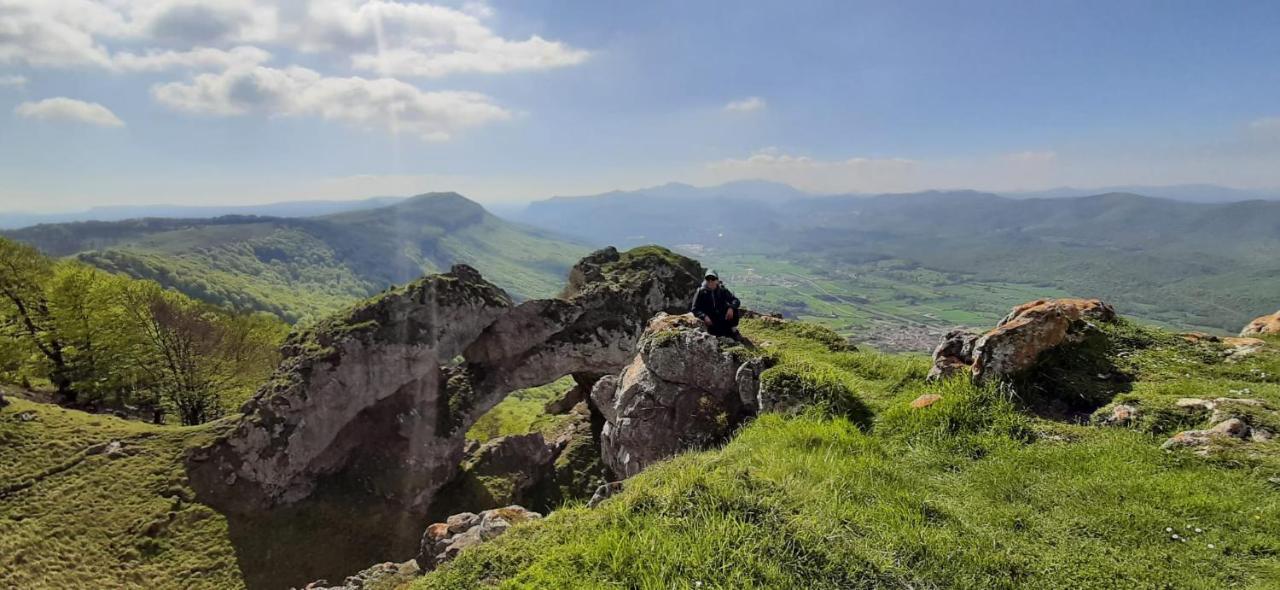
(697,584)
(1211,545)
(1199,530)
(1168,529)
(1174,537)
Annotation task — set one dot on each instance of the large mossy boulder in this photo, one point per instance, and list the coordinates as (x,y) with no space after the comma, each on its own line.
(681,391)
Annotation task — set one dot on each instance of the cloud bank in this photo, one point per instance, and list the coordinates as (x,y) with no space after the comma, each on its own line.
(223,47)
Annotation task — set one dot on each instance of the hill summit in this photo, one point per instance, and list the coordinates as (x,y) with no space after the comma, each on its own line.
(301,268)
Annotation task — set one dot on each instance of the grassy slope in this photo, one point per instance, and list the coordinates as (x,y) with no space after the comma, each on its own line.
(68,520)
(71,520)
(968,493)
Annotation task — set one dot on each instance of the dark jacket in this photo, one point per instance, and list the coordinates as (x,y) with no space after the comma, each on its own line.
(714,303)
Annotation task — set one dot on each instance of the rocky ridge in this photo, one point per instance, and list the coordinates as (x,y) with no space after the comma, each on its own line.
(385,392)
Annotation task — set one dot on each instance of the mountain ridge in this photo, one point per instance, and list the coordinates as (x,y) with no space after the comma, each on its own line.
(298,267)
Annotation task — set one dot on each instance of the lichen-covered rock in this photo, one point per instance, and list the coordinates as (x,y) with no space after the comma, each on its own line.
(953,355)
(505,470)
(1232,428)
(1122,415)
(1267,324)
(1018,341)
(1238,348)
(377,395)
(383,576)
(363,385)
(679,392)
(461,531)
(1015,344)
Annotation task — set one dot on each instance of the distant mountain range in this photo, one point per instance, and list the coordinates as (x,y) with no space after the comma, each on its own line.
(300,267)
(13,220)
(1194,193)
(1186,262)
(1181,263)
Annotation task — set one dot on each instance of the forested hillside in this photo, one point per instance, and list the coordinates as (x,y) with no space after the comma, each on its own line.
(297,268)
(103,341)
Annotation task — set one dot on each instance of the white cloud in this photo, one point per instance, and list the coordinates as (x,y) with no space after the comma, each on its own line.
(384,36)
(745,105)
(74,33)
(56,33)
(200,58)
(383,103)
(395,38)
(69,109)
(13,81)
(205,22)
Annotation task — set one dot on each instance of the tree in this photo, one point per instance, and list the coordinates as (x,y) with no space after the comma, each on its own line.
(25,313)
(198,354)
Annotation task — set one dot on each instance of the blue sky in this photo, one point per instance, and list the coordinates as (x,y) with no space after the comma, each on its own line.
(245,101)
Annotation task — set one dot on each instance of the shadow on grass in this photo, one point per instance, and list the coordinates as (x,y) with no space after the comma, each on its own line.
(334,534)
(1076,379)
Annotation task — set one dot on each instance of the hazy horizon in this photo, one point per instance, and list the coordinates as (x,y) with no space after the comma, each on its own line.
(514,204)
(252,101)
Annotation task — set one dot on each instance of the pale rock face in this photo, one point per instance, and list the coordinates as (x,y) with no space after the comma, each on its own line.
(386,392)
(1017,342)
(1267,324)
(681,391)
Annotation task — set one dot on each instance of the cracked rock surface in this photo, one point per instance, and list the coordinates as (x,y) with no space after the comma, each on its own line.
(384,393)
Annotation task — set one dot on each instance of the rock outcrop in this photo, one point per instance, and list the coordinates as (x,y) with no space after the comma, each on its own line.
(443,541)
(376,577)
(1017,342)
(1226,429)
(1267,324)
(1233,348)
(536,470)
(384,393)
(682,390)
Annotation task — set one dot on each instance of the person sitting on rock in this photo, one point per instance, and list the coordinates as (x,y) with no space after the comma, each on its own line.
(716,306)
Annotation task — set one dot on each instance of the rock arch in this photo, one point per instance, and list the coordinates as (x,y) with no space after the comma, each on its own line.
(385,392)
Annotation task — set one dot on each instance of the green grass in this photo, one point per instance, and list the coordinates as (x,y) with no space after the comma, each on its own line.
(804,503)
(970,492)
(853,297)
(521,412)
(72,520)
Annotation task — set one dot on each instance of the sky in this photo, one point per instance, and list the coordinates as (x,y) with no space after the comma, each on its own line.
(196,102)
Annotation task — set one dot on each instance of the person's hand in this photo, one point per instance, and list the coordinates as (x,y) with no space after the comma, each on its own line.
(706,320)
(729,314)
